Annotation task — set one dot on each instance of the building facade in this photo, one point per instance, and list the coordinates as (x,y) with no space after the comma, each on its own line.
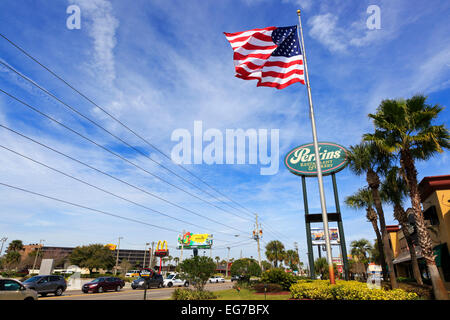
(435,197)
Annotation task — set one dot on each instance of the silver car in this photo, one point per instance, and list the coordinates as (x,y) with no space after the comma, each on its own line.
(46,284)
(11,289)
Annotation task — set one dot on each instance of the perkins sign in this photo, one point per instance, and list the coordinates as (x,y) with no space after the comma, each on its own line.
(302,160)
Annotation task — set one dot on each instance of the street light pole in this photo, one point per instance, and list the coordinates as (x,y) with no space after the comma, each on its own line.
(117,256)
(145,254)
(228,262)
(3,240)
(37,253)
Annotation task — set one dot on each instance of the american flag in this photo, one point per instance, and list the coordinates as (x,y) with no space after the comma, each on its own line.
(270,55)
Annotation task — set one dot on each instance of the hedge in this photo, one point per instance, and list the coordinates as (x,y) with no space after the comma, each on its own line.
(345,290)
(188,294)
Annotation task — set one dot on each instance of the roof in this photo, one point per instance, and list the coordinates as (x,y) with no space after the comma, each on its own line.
(430,184)
(392,228)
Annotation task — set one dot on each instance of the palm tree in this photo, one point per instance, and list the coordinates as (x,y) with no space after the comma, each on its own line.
(363,199)
(321,267)
(361,249)
(275,252)
(291,259)
(217,258)
(176,260)
(405,127)
(367,158)
(15,245)
(394,188)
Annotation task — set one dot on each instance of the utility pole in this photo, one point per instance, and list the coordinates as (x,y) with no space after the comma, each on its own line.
(298,256)
(3,240)
(37,253)
(257,234)
(228,262)
(145,254)
(151,254)
(117,256)
(182,246)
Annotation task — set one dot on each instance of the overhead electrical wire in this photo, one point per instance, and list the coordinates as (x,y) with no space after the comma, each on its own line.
(104,190)
(120,122)
(73,109)
(115,178)
(85,207)
(99,145)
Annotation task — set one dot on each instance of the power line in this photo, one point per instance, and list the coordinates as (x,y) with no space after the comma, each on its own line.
(108,150)
(105,191)
(117,120)
(119,139)
(113,177)
(85,207)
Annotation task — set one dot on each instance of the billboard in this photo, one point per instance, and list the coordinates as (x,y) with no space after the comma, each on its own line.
(318,236)
(192,241)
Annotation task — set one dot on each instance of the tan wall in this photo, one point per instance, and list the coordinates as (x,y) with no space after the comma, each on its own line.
(440,199)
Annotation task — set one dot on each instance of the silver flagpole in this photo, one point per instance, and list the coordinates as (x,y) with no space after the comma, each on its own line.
(319,169)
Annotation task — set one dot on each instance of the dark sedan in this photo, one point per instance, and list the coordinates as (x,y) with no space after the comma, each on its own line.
(103,284)
(156,281)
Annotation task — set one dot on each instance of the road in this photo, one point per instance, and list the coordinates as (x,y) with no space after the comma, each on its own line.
(130,294)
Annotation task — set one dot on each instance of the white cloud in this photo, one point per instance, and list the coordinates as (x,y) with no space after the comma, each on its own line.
(101,27)
(324,29)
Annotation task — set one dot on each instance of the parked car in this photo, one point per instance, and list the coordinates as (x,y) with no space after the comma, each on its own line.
(235,278)
(46,284)
(11,289)
(174,280)
(155,281)
(103,284)
(216,279)
(132,273)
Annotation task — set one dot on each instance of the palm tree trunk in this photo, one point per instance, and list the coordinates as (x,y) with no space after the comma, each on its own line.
(373,220)
(374,183)
(426,245)
(400,215)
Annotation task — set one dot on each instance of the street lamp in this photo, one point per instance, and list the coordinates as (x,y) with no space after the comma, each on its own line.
(145,253)
(3,240)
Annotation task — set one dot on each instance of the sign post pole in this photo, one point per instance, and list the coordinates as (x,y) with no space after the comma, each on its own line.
(317,156)
(308,230)
(341,228)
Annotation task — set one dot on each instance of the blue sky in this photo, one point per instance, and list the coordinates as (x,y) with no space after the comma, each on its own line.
(161,65)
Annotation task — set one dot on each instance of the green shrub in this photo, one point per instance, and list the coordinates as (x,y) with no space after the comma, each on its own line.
(345,290)
(271,287)
(278,276)
(189,294)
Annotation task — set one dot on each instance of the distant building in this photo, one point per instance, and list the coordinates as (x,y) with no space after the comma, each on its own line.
(61,254)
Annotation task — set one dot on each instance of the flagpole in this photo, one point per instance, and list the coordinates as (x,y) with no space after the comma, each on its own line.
(319,169)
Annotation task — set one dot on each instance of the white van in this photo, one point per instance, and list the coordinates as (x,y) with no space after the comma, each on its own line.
(132,273)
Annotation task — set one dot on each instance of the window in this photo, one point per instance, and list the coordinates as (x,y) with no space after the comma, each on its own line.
(43,280)
(431,215)
(54,278)
(10,285)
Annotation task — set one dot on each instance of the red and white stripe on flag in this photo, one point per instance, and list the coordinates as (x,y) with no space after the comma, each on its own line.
(254,59)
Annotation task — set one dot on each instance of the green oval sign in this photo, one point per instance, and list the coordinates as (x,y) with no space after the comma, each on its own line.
(302,160)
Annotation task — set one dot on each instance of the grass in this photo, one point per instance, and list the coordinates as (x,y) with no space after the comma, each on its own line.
(247,294)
